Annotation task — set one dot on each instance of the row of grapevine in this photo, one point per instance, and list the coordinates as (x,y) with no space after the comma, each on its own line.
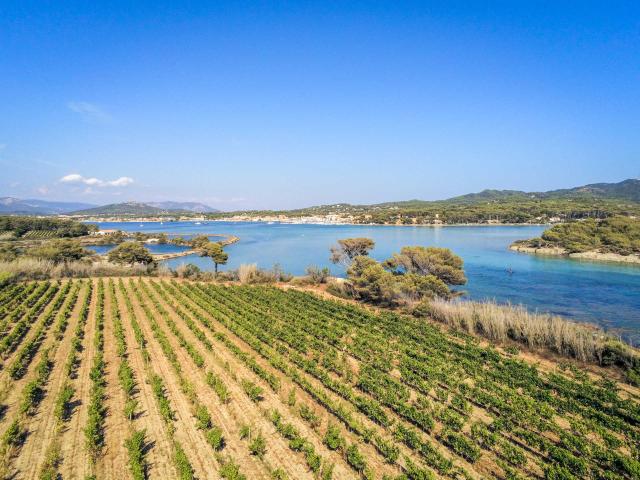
(35,390)
(64,398)
(94,430)
(253,392)
(494,390)
(300,386)
(26,320)
(21,362)
(12,297)
(136,441)
(338,410)
(453,414)
(181,462)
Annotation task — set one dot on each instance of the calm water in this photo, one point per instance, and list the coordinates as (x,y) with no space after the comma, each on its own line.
(607,294)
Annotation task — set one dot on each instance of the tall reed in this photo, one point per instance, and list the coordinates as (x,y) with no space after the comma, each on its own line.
(37,269)
(503,323)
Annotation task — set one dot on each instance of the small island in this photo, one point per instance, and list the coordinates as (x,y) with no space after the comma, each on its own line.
(614,239)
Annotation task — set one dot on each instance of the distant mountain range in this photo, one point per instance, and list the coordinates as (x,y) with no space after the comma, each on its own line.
(149,209)
(627,190)
(39,207)
(10,205)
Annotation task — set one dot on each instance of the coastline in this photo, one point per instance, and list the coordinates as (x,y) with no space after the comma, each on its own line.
(590,255)
(310,221)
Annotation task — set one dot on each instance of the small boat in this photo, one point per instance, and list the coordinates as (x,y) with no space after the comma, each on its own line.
(198,223)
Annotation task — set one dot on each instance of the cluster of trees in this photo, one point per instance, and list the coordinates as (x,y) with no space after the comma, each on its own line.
(414,274)
(520,208)
(209,249)
(21,226)
(131,253)
(60,250)
(117,237)
(616,235)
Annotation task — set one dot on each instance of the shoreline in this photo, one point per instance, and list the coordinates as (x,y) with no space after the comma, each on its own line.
(590,255)
(228,240)
(320,223)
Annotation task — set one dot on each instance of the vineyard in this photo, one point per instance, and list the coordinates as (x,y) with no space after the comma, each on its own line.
(158,378)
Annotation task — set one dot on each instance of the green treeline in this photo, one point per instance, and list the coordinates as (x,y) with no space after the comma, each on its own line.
(37,227)
(619,235)
(517,209)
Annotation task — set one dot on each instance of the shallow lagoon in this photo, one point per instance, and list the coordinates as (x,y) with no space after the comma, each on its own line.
(608,294)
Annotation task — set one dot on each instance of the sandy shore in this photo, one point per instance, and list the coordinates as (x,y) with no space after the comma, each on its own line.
(592,255)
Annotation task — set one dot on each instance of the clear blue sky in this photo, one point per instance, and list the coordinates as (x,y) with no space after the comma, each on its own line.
(290,104)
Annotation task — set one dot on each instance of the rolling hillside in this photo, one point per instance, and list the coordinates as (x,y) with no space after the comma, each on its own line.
(488,206)
(11,205)
(145,209)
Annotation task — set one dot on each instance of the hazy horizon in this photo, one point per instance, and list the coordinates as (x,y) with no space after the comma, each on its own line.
(278,106)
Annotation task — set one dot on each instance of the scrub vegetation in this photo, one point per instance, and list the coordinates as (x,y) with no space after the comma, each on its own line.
(620,235)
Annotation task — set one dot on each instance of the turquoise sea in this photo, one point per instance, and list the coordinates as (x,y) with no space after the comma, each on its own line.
(602,293)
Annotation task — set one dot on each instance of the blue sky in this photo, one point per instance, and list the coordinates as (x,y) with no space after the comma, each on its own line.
(290,104)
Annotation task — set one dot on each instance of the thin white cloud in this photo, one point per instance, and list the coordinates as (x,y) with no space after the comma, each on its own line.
(43,190)
(96,182)
(89,111)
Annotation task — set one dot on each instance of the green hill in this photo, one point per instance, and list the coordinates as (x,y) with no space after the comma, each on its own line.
(598,200)
(628,190)
(128,208)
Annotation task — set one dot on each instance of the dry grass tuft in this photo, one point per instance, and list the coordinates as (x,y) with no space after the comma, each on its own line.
(247,271)
(36,269)
(503,323)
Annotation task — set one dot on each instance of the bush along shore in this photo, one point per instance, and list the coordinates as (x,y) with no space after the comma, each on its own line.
(615,239)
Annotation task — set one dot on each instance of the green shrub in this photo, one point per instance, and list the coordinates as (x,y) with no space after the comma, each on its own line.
(185,470)
(461,446)
(389,451)
(258,446)
(231,471)
(214,438)
(135,446)
(245,432)
(310,416)
(203,418)
(130,408)
(253,391)
(333,439)
(355,458)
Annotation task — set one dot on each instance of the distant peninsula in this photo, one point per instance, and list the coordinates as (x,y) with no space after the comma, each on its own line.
(615,239)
